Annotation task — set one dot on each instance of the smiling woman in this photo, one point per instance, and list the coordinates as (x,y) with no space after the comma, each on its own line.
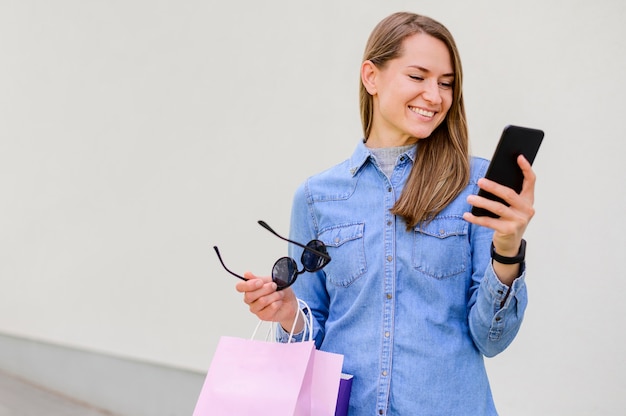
(411,94)
(135,135)
(426,69)
(409,296)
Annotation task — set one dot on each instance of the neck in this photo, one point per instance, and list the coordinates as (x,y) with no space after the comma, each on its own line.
(377,142)
(388,137)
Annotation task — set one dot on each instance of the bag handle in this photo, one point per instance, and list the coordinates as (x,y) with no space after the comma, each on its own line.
(308,320)
(308,323)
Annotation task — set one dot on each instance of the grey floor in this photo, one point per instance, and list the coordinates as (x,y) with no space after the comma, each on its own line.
(21,398)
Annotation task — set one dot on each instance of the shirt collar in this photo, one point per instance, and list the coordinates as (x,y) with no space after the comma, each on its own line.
(362,155)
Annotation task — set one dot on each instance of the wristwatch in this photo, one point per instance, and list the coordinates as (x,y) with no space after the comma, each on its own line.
(519,258)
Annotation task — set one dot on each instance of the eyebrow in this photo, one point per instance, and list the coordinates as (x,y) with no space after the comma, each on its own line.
(421,68)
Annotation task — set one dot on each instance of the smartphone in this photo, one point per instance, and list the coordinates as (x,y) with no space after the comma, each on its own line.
(503,168)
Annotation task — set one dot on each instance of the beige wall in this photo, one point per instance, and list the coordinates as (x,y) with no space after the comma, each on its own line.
(135,135)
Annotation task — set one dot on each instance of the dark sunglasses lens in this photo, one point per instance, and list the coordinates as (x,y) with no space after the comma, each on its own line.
(284,272)
(311,261)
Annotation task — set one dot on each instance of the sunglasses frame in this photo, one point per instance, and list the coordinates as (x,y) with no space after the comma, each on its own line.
(326,258)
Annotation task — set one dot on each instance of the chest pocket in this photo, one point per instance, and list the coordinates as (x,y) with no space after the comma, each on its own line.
(346,247)
(441,247)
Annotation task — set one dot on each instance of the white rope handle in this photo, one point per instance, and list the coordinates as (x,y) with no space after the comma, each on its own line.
(258,325)
(308,320)
(308,323)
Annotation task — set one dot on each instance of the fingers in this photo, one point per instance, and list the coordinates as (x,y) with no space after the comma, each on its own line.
(255,288)
(497,190)
(261,296)
(253,283)
(514,218)
(528,188)
(498,208)
(522,202)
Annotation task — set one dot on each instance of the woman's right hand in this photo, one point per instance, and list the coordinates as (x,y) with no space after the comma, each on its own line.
(269,304)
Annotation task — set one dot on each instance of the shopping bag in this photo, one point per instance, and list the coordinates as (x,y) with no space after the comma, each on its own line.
(343,398)
(253,377)
(325,382)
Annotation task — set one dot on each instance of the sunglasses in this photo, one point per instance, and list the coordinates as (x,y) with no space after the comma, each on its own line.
(285,270)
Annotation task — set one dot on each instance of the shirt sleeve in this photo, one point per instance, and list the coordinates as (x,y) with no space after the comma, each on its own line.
(497,311)
(309,287)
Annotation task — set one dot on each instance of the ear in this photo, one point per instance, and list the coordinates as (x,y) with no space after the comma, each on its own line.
(368,76)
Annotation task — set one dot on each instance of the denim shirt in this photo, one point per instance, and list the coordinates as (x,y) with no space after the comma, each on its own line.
(413,312)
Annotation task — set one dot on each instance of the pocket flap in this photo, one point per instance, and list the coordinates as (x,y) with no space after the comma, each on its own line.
(443,227)
(340,234)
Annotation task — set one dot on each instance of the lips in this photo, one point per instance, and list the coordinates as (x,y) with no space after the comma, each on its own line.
(422,112)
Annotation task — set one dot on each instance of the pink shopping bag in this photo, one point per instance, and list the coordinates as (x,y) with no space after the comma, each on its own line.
(325,382)
(251,377)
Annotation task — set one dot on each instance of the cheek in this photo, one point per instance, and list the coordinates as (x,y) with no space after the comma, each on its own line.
(447,103)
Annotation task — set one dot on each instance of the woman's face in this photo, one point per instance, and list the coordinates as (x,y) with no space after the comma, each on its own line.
(412,93)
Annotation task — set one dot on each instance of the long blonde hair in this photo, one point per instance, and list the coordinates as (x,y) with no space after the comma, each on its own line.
(441,169)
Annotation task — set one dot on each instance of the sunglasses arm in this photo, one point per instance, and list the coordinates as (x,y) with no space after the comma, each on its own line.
(268,228)
(226,268)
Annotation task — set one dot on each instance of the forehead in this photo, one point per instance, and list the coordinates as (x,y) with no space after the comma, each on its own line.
(427,52)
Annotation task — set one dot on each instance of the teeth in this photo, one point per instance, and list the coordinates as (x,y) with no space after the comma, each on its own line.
(422,112)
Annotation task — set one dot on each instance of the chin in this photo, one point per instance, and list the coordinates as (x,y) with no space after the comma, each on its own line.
(425,132)
(422,134)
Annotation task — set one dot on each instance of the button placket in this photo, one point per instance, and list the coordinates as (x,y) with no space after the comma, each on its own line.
(388,304)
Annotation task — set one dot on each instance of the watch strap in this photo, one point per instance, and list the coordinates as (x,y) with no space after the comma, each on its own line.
(519,258)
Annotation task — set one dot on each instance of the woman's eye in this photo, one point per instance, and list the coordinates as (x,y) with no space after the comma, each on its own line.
(446,85)
(416,77)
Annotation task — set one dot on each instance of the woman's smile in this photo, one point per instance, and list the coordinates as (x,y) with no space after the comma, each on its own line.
(422,111)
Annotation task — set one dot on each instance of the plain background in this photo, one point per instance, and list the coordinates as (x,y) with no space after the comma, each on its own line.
(135,135)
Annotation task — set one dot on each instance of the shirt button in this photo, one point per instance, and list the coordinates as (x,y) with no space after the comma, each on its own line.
(380,412)
(387,334)
(389,189)
(389,223)
(337,239)
(384,373)
(388,295)
(389,258)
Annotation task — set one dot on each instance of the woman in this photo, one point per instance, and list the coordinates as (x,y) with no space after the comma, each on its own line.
(412,297)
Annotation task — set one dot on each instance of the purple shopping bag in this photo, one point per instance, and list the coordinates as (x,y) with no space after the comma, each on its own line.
(343,399)
(251,377)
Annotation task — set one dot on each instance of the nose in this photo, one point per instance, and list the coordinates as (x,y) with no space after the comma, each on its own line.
(431,93)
